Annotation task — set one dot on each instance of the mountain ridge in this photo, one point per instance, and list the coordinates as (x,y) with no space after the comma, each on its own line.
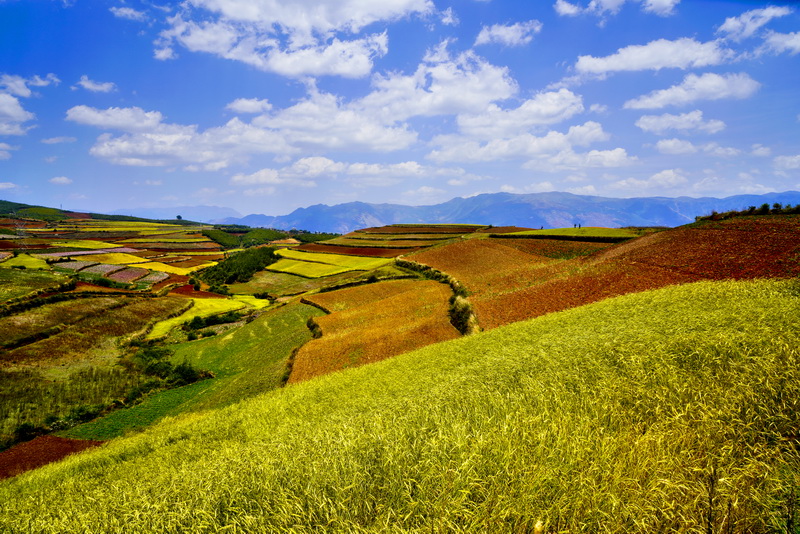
(533,210)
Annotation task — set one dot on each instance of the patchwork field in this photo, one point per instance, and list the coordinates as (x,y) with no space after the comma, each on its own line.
(373,322)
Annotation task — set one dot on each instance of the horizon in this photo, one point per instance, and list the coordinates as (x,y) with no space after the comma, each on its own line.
(141,105)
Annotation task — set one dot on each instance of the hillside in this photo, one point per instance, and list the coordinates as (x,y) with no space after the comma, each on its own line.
(666,410)
(357,393)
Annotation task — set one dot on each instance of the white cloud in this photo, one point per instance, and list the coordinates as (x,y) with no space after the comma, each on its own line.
(128,13)
(349,58)
(441,85)
(249,105)
(708,86)
(164,53)
(715,149)
(257,33)
(449,18)
(13,116)
(761,150)
(517,34)
(675,147)
(57,140)
(693,120)
(748,23)
(665,180)
(60,180)
(322,122)
(785,163)
(565,9)
(95,87)
(5,151)
(424,195)
(682,54)
(18,86)
(264,176)
(133,119)
(598,108)
(7,185)
(542,109)
(783,42)
(603,7)
(570,160)
(459,148)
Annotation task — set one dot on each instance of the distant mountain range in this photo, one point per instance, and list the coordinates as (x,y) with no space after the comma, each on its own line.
(190,213)
(548,210)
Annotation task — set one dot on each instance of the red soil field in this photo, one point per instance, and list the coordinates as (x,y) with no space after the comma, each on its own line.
(373,252)
(374,322)
(506,287)
(435,229)
(188,291)
(38,452)
(173,279)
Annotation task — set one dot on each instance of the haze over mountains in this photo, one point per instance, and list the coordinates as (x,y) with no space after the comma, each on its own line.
(548,210)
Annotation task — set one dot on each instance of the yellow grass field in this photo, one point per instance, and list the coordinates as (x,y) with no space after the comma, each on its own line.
(117,258)
(167,268)
(201,308)
(24,260)
(374,322)
(84,243)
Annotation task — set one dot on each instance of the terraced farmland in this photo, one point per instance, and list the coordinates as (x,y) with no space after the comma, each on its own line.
(373,322)
(317,265)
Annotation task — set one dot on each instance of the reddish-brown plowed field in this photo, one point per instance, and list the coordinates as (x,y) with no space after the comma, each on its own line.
(373,252)
(503,229)
(374,322)
(188,291)
(173,279)
(553,248)
(38,452)
(502,291)
(437,229)
(177,247)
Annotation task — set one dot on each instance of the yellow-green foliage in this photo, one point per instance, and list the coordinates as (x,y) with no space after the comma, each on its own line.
(15,283)
(251,301)
(358,263)
(25,260)
(307,269)
(116,258)
(169,240)
(201,308)
(588,231)
(670,410)
(84,243)
(167,268)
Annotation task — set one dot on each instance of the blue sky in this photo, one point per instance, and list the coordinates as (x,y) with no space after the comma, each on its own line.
(265,106)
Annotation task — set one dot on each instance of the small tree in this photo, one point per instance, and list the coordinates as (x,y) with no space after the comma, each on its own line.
(179,218)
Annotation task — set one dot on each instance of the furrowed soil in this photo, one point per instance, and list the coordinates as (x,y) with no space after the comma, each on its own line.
(373,322)
(509,282)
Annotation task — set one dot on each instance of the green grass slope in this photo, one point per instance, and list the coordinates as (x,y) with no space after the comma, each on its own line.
(669,410)
(246,362)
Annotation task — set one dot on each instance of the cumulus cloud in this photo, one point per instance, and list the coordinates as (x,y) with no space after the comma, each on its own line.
(292,39)
(660,182)
(707,86)
(692,121)
(128,13)
(13,116)
(748,23)
(602,8)
(659,54)
(57,140)
(441,85)
(7,185)
(127,119)
(18,86)
(517,34)
(460,148)
(95,87)
(782,42)
(249,105)
(60,180)
(543,109)
(761,150)
(675,147)
(5,151)
(785,163)
(449,18)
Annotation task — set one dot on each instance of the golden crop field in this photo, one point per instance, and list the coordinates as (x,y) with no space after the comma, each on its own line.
(374,322)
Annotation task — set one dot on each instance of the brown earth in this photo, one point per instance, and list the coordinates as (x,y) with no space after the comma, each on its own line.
(506,287)
(38,452)
(373,252)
